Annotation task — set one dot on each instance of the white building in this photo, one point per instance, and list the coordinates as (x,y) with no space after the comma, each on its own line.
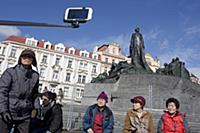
(60,68)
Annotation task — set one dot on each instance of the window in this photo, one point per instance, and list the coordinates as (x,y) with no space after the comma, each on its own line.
(105,70)
(84,54)
(31,43)
(79,93)
(94,68)
(44,59)
(3,50)
(55,75)
(0,63)
(71,51)
(9,65)
(57,61)
(68,75)
(106,60)
(113,60)
(83,64)
(47,46)
(69,64)
(66,91)
(13,52)
(81,79)
(113,51)
(95,57)
(40,88)
(42,72)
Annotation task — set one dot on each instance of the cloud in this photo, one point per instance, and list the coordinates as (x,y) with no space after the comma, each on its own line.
(152,35)
(87,44)
(9,30)
(187,55)
(164,44)
(194,30)
(195,71)
(187,49)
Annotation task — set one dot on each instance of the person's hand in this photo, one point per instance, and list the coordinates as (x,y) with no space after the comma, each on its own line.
(90,130)
(7,118)
(48,132)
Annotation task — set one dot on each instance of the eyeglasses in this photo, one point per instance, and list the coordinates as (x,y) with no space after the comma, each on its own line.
(27,57)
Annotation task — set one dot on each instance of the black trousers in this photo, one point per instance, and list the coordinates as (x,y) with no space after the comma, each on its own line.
(20,126)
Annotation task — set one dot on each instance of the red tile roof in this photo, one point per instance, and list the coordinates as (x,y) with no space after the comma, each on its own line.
(16,39)
(40,44)
(77,52)
(103,47)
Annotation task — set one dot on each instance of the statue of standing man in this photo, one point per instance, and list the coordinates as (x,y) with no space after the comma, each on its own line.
(137,53)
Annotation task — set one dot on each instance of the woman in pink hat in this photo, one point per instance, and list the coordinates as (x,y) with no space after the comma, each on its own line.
(138,120)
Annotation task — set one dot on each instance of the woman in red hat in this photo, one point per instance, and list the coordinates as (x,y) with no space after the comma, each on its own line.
(138,120)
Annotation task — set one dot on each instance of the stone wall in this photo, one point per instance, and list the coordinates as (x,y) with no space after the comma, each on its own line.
(156,89)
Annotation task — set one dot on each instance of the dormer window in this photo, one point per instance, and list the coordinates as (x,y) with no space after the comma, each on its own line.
(71,50)
(84,53)
(47,45)
(31,41)
(59,47)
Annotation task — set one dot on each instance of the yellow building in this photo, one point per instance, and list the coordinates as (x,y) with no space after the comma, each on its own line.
(109,53)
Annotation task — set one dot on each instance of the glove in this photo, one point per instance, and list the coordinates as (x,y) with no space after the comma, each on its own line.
(7,118)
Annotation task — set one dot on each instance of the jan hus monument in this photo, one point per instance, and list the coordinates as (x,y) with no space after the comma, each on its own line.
(125,80)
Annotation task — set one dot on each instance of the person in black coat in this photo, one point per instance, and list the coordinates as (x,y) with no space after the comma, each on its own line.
(18,91)
(48,118)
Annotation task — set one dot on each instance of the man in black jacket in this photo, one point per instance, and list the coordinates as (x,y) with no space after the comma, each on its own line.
(48,117)
(18,91)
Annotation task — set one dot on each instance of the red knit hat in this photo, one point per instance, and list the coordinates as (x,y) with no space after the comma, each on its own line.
(103,95)
(138,99)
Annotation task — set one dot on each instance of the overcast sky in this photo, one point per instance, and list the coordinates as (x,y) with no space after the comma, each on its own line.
(170,28)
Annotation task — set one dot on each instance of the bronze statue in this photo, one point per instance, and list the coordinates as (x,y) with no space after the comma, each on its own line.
(175,68)
(137,50)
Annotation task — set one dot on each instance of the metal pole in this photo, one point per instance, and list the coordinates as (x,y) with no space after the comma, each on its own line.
(150,96)
(70,114)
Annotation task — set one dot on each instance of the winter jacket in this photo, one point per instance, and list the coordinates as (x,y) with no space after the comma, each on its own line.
(49,118)
(88,119)
(173,124)
(18,90)
(134,124)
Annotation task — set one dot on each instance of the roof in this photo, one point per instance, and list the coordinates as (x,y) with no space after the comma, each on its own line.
(40,44)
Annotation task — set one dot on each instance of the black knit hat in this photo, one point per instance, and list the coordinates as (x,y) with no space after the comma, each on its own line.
(173,100)
(30,53)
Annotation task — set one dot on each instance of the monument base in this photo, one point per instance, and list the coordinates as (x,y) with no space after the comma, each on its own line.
(156,89)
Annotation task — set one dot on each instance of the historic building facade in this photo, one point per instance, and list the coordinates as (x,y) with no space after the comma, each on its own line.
(63,70)
(109,53)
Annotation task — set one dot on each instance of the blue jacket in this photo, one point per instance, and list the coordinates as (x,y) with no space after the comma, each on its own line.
(108,119)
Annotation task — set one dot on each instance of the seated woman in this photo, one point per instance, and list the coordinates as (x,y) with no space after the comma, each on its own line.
(138,120)
(48,117)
